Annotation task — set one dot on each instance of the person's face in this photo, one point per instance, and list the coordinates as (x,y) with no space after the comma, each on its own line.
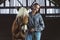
(36,8)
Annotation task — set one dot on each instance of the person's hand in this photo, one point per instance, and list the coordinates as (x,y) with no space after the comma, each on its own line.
(31,30)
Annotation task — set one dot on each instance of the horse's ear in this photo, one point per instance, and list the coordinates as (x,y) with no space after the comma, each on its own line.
(27,8)
(18,8)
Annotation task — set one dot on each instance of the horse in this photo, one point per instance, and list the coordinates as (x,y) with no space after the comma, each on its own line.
(19,26)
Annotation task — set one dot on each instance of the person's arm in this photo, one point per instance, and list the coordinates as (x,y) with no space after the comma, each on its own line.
(30,25)
(41,21)
(40,25)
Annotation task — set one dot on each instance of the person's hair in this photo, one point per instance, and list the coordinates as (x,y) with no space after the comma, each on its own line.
(34,5)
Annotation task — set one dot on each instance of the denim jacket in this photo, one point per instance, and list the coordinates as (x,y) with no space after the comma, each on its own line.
(36,22)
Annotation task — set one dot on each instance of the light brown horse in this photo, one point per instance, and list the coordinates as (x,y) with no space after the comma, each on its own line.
(19,26)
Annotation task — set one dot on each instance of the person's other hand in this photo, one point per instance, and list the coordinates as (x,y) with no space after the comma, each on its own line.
(32,30)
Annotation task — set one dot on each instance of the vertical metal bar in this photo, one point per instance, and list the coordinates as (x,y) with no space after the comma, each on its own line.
(45,8)
(26,3)
(4,4)
(9,5)
(9,0)
(49,3)
(35,0)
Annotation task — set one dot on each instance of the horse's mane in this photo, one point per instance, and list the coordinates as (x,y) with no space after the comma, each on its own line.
(23,12)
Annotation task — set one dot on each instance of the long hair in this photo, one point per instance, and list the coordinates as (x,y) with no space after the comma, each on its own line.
(34,5)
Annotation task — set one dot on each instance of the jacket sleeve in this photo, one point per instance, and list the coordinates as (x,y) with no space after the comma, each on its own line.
(40,25)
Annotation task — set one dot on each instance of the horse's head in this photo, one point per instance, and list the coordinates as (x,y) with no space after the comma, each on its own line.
(23,14)
(22,18)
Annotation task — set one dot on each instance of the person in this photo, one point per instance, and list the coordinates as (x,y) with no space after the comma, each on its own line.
(35,23)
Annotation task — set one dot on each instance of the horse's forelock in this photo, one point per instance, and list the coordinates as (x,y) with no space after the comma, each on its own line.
(23,12)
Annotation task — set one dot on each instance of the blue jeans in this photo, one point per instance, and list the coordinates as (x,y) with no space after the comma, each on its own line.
(34,36)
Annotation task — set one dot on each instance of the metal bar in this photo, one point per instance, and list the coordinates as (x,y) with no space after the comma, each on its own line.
(53,2)
(49,3)
(9,5)
(26,3)
(20,3)
(45,8)
(58,14)
(49,7)
(33,2)
(14,7)
(4,4)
